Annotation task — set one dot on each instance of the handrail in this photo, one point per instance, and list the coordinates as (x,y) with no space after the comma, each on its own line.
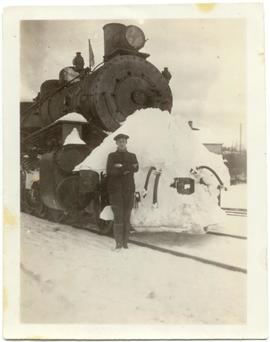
(40,102)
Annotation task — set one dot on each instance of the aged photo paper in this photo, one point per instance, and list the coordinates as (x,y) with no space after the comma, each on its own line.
(134,172)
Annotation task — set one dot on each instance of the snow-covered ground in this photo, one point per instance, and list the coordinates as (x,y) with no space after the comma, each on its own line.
(222,249)
(74,276)
(235,197)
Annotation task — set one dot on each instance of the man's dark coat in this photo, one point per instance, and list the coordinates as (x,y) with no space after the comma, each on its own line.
(121,179)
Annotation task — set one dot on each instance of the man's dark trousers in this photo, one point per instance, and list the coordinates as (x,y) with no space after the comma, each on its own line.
(122,204)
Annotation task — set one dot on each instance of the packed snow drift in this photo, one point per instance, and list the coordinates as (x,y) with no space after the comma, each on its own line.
(166,142)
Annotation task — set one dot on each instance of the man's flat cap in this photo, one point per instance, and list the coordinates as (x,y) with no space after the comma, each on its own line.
(119,136)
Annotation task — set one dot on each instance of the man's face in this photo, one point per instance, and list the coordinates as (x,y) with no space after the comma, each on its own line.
(121,143)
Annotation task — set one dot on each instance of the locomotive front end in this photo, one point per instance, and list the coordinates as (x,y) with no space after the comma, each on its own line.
(105,96)
(126,81)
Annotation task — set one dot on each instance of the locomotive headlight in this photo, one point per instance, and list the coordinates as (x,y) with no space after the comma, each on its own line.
(135,37)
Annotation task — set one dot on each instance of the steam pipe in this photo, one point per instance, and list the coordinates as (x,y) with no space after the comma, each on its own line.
(211,170)
(221,184)
(152,168)
(155,192)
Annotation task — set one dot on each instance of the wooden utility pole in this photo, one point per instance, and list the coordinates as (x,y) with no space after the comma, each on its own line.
(240,142)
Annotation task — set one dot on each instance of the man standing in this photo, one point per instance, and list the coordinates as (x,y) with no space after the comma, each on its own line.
(121,166)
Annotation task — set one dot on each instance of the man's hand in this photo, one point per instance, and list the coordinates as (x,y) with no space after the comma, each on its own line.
(118,165)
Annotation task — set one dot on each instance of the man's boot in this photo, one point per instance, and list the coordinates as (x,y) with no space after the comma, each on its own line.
(126,236)
(117,232)
(118,245)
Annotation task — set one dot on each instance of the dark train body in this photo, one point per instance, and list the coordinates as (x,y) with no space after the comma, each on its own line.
(124,82)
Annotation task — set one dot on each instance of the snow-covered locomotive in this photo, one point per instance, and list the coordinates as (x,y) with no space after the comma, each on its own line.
(73,114)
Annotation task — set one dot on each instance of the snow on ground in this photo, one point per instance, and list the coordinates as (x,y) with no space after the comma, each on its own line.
(222,249)
(235,197)
(74,276)
(232,224)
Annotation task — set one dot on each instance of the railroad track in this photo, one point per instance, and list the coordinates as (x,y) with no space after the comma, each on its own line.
(235,211)
(189,256)
(183,254)
(241,237)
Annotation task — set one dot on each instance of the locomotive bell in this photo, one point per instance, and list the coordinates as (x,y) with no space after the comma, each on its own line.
(78,62)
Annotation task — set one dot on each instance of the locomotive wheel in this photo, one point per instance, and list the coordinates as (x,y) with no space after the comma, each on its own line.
(26,203)
(93,209)
(57,216)
(69,195)
(32,203)
(39,209)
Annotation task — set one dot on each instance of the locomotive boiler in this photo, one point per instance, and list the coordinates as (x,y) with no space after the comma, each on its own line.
(72,115)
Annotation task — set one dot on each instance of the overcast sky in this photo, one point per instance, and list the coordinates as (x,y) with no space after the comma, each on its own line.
(205,57)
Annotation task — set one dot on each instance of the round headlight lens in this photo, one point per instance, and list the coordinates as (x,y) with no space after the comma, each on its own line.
(135,37)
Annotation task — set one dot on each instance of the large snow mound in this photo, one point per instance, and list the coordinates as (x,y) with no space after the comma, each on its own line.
(165,141)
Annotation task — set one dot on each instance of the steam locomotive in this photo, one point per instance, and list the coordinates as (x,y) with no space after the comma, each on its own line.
(101,99)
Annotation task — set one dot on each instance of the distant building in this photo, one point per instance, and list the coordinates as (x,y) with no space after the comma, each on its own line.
(208,139)
(214,147)
(236,161)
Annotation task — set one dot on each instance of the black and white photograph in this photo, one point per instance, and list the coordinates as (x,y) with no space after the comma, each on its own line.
(133,172)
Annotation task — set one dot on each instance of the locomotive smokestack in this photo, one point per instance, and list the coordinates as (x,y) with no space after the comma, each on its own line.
(112,37)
